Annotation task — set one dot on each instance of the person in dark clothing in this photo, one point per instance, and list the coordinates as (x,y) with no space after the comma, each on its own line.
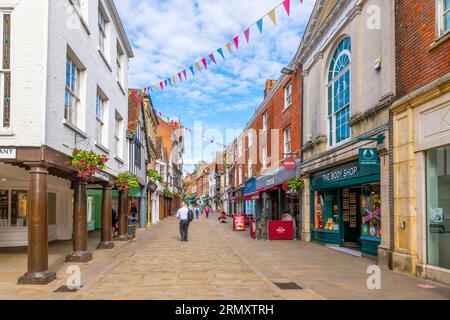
(113,220)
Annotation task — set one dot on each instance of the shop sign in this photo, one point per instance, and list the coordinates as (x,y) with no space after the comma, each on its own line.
(341,174)
(250,186)
(289,163)
(368,156)
(239,222)
(281,230)
(270,182)
(8,153)
(102,175)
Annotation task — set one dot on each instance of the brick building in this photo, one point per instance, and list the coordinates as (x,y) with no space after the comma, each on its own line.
(421,139)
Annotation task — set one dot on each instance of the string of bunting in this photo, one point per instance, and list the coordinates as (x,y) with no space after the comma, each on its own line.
(212,57)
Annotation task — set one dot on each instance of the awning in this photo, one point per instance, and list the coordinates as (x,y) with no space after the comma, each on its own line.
(252,196)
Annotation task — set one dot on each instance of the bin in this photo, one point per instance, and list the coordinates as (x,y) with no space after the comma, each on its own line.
(131,228)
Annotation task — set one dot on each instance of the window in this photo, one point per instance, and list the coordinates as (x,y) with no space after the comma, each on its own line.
(250,138)
(264,156)
(438,206)
(287,142)
(240,149)
(339,94)
(5,71)
(250,167)
(265,120)
(72,94)
(288,95)
(102,34)
(138,146)
(101,134)
(118,136)
(119,64)
(80,5)
(240,174)
(443,16)
(14,208)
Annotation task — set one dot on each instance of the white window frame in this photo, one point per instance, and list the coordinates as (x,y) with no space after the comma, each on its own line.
(73,89)
(4,72)
(101,129)
(119,65)
(240,174)
(440,18)
(240,148)
(288,95)
(287,142)
(265,121)
(118,146)
(250,167)
(264,157)
(250,139)
(103,27)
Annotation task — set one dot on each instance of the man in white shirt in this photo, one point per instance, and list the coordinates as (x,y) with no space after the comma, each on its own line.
(182,215)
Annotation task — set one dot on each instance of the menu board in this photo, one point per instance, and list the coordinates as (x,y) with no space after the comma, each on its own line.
(346,205)
(352,210)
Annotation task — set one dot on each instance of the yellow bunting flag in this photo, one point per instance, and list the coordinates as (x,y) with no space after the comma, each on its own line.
(198,66)
(273,17)
(174,80)
(228,45)
(156,86)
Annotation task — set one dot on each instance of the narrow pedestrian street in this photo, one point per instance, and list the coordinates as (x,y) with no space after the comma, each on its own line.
(216,263)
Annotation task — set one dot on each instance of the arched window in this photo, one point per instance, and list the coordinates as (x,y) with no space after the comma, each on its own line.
(339,94)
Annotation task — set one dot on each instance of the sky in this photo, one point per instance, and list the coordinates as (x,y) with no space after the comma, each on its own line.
(169,36)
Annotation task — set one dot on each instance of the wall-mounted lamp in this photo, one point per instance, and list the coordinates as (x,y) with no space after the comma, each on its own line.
(287,71)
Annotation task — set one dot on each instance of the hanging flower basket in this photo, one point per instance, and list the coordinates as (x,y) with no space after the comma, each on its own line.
(296,184)
(126,181)
(88,162)
(154,175)
(167,193)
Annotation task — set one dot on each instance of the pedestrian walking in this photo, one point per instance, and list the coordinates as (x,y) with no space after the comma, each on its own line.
(207,212)
(197,212)
(185,215)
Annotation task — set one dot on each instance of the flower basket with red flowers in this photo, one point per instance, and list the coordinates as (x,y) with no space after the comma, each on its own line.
(88,162)
(126,181)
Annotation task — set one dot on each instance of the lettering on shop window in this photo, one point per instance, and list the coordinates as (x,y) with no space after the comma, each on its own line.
(7,153)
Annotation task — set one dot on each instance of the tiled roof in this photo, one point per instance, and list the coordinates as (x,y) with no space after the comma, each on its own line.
(134,112)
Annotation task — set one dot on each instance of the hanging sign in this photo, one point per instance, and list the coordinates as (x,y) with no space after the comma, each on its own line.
(368,156)
(289,163)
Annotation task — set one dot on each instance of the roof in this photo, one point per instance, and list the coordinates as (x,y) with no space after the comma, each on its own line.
(134,112)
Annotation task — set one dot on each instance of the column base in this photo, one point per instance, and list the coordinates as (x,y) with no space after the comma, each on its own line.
(404,262)
(384,258)
(79,257)
(105,245)
(122,238)
(37,278)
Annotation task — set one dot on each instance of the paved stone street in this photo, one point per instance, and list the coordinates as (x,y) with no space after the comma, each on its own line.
(215,264)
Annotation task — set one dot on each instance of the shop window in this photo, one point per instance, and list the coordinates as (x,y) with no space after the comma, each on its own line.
(19,208)
(371,211)
(4,207)
(438,206)
(339,94)
(326,210)
(5,73)
(443,16)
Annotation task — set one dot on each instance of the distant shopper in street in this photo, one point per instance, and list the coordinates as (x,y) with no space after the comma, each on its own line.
(207,212)
(197,212)
(183,215)
(287,216)
(113,220)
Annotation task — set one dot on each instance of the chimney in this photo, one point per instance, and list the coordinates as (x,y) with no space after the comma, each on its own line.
(269,85)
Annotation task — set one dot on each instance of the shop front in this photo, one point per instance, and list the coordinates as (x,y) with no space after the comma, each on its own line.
(251,198)
(237,201)
(346,207)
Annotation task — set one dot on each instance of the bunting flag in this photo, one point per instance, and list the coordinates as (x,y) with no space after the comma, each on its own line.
(272,16)
(247,34)
(287,6)
(259,24)
(228,45)
(236,42)
(211,56)
(220,51)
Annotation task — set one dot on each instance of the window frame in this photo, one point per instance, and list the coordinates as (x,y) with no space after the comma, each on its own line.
(440,18)
(287,153)
(5,72)
(102,134)
(103,36)
(332,118)
(264,157)
(265,121)
(118,146)
(119,65)
(288,95)
(74,93)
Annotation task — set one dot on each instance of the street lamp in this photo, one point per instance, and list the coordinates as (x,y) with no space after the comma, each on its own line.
(287,70)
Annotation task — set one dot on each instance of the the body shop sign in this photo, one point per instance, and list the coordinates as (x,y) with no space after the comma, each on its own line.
(341,174)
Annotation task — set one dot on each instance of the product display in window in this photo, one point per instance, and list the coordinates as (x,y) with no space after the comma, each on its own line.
(371,212)
(19,208)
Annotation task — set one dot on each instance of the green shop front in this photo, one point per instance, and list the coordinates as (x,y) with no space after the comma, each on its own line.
(346,207)
(94,206)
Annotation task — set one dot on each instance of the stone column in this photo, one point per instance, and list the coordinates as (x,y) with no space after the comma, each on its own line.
(143,212)
(80,235)
(106,232)
(123,215)
(38,272)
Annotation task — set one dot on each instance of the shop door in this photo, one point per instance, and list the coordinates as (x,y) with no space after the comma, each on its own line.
(351,217)
(274,209)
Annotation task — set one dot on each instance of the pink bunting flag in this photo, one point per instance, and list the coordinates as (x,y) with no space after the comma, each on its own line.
(236,42)
(211,56)
(179,76)
(161,85)
(205,63)
(247,34)
(184,73)
(287,6)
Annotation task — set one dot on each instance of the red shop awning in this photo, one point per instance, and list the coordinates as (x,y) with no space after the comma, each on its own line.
(252,196)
